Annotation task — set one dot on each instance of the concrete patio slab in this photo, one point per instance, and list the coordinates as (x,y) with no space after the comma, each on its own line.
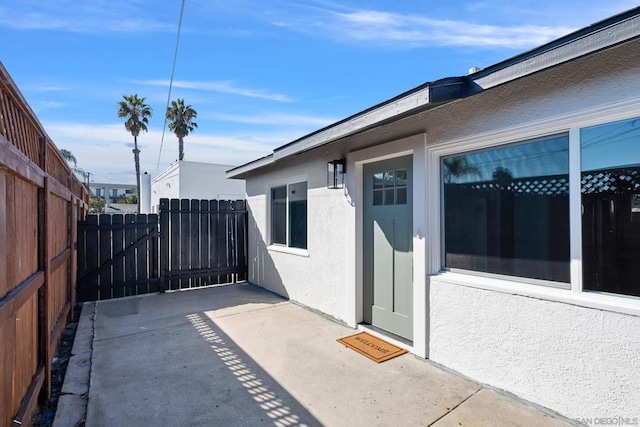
(240,356)
(490,408)
(70,411)
(72,403)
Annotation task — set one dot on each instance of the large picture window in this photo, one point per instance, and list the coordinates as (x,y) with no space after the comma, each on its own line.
(289,215)
(610,185)
(506,210)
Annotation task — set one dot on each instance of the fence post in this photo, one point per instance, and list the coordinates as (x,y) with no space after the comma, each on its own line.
(164,243)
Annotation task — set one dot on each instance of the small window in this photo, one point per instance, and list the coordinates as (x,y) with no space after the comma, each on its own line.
(289,215)
(390,188)
(279,215)
(610,185)
(506,210)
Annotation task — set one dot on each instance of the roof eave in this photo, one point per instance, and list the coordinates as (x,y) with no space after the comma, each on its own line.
(604,34)
(601,35)
(428,94)
(240,171)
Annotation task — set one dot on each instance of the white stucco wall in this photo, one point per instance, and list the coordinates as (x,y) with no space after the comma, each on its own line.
(579,361)
(316,277)
(574,358)
(165,185)
(204,180)
(564,352)
(195,180)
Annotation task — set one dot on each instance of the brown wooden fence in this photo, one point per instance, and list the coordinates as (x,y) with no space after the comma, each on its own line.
(191,243)
(40,202)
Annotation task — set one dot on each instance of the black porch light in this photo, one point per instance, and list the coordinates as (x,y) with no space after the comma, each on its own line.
(335,173)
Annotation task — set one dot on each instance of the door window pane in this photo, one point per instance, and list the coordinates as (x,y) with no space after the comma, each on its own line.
(390,188)
(506,210)
(377,197)
(401,196)
(388,197)
(378,180)
(610,185)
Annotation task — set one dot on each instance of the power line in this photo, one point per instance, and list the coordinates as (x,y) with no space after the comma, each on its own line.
(173,70)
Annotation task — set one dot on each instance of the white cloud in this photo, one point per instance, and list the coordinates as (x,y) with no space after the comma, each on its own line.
(104,149)
(44,88)
(417,30)
(410,30)
(97,16)
(46,105)
(219,86)
(274,119)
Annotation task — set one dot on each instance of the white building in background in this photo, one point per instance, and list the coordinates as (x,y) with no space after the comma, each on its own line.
(488,222)
(195,180)
(113,193)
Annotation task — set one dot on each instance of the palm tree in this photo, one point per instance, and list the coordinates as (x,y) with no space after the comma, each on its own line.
(70,158)
(181,123)
(455,167)
(136,114)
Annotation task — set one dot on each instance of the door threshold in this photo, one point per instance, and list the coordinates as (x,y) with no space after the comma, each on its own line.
(387,336)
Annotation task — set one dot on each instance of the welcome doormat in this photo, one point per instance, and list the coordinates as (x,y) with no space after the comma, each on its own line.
(374,348)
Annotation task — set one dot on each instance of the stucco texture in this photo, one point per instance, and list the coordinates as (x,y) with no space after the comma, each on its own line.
(317,278)
(578,361)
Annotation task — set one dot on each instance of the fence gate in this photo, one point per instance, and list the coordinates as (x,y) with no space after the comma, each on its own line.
(202,242)
(117,256)
(190,243)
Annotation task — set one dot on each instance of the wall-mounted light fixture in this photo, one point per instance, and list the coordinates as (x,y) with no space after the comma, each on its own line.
(335,173)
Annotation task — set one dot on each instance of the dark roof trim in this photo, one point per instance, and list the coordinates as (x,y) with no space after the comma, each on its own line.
(606,33)
(423,96)
(436,91)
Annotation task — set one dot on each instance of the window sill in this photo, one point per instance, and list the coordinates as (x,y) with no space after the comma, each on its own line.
(597,300)
(287,250)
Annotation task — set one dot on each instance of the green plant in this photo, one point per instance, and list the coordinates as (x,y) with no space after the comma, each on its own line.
(182,122)
(136,114)
(96,205)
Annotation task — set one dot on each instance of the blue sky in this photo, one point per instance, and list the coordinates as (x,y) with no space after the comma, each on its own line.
(260,73)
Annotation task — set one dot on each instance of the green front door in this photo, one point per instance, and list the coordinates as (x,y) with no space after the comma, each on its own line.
(388,245)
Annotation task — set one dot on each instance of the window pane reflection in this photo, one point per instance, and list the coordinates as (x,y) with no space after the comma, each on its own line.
(610,185)
(279,215)
(506,210)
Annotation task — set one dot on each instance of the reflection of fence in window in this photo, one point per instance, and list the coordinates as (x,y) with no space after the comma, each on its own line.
(611,230)
(517,228)
(635,203)
(618,180)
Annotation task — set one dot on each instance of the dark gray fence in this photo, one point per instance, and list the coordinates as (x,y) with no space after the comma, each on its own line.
(190,243)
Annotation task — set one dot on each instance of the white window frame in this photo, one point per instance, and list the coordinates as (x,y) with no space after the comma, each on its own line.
(279,247)
(571,123)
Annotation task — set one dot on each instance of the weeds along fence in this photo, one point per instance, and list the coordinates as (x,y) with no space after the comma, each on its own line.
(40,203)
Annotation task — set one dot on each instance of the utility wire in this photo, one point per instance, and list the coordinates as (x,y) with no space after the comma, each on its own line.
(173,70)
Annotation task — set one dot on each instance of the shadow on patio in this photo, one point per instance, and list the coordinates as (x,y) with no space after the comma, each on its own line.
(239,356)
(159,360)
